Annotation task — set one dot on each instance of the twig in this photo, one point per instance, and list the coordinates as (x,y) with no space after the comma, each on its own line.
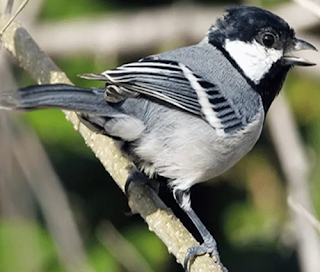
(21,7)
(297,207)
(160,220)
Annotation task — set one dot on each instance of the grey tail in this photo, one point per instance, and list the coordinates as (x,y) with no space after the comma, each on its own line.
(62,96)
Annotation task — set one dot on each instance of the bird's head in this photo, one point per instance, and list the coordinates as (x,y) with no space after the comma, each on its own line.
(260,44)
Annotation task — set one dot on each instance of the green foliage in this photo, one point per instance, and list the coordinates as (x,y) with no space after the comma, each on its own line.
(101,260)
(259,218)
(79,65)
(56,9)
(54,130)
(304,97)
(24,246)
(144,240)
(247,226)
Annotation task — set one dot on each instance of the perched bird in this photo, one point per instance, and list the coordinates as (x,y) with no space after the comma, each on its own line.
(189,114)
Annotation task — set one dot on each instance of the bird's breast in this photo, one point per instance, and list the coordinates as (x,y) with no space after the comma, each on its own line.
(231,148)
(187,150)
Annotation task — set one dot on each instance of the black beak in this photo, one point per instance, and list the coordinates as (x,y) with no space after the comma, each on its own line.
(298,45)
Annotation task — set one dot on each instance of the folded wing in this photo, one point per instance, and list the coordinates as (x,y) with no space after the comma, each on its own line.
(173,83)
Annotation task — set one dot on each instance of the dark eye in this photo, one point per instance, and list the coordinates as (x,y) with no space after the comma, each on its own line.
(268,39)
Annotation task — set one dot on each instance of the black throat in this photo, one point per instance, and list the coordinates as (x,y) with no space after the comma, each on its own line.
(269,86)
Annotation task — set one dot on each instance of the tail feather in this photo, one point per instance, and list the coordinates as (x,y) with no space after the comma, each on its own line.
(62,96)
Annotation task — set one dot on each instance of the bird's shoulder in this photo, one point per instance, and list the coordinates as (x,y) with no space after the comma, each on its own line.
(197,79)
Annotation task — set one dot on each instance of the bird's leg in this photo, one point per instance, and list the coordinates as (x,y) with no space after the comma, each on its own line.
(139,177)
(209,244)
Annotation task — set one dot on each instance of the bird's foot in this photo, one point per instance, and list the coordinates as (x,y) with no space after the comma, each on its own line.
(137,176)
(209,247)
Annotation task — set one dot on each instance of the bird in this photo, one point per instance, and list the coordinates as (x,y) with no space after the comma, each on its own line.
(188,114)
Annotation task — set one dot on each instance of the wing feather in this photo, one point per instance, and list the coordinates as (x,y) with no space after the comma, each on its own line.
(161,79)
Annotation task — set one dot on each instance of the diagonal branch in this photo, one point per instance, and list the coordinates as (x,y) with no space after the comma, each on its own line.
(142,200)
(20,8)
(294,163)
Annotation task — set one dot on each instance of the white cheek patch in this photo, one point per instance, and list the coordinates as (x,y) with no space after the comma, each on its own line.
(254,59)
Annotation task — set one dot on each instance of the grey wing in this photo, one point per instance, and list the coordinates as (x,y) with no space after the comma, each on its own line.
(173,83)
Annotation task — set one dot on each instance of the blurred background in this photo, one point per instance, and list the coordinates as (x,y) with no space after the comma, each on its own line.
(61,212)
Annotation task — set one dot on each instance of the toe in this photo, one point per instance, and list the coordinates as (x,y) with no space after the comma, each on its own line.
(200,250)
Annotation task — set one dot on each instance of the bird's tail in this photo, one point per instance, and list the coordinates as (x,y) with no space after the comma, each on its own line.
(62,96)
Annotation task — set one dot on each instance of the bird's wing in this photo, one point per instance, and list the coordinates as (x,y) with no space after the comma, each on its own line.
(173,83)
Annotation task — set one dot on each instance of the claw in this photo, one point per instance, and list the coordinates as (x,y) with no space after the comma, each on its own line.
(138,176)
(205,248)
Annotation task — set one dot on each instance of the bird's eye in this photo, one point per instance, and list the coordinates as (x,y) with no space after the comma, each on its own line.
(268,39)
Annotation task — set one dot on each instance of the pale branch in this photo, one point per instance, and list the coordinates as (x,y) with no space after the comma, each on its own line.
(294,163)
(299,19)
(125,33)
(298,208)
(40,176)
(312,6)
(17,143)
(152,28)
(142,200)
(20,8)
(45,184)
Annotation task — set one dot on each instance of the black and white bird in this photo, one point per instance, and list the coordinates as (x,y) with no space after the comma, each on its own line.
(189,114)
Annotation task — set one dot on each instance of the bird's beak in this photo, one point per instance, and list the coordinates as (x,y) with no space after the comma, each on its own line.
(298,45)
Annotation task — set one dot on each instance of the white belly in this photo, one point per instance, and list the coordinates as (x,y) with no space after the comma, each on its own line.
(189,151)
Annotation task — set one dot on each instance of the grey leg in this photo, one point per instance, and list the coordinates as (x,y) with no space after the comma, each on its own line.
(209,244)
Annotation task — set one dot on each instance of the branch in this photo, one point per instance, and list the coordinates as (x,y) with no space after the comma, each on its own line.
(40,178)
(310,5)
(295,166)
(142,200)
(45,184)
(298,208)
(148,29)
(20,8)
(125,33)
